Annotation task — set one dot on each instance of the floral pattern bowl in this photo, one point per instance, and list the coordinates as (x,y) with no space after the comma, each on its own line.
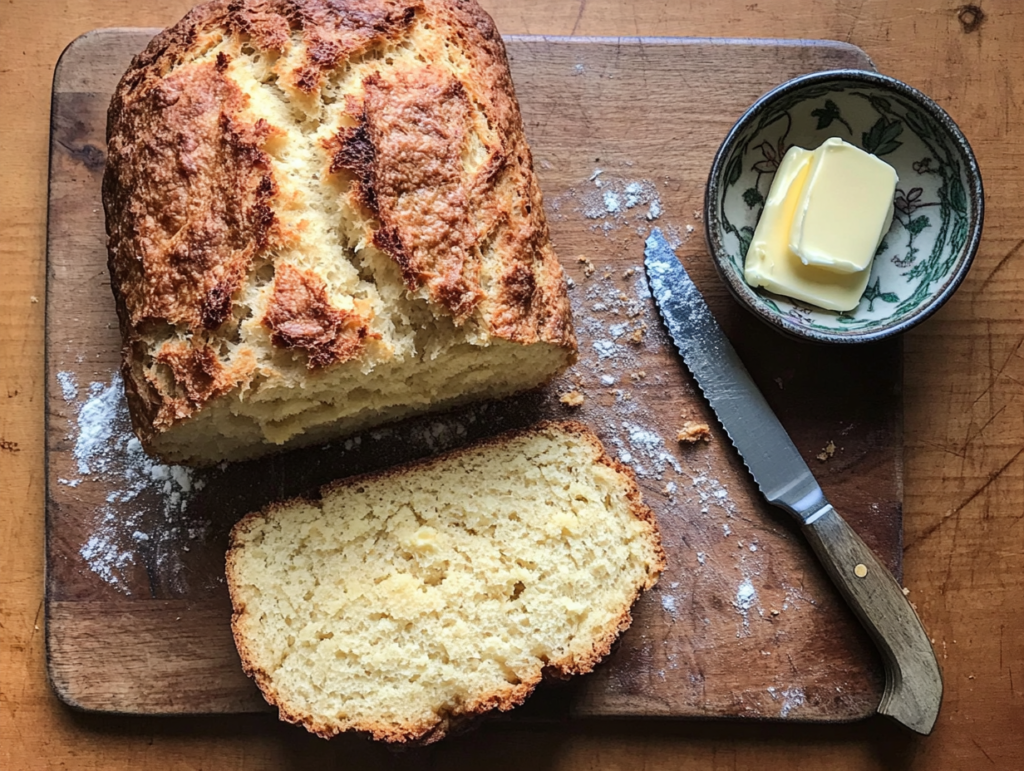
(938,207)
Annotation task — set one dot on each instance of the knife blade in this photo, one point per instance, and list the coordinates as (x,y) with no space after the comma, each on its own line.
(913,682)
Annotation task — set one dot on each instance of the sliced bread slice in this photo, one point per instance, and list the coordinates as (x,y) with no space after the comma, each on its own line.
(403,602)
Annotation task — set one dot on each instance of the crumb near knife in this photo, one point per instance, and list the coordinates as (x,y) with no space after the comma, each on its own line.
(693,432)
(588,266)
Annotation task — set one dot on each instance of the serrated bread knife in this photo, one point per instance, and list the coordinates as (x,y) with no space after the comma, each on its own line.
(913,683)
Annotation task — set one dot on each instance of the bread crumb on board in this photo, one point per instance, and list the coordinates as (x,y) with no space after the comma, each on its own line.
(693,432)
(572,399)
(588,266)
(828,452)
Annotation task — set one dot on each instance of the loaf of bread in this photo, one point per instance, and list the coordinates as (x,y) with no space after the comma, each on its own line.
(322,215)
(403,603)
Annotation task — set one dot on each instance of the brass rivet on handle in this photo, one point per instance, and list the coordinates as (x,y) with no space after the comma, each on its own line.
(861,570)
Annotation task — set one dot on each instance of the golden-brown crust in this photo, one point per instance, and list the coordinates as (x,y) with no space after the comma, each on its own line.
(505,698)
(417,122)
(190,191)
(186,192)
(299,315)
(197,375)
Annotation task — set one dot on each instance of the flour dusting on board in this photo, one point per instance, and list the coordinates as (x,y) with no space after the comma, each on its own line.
(612,197)
(791,698)
(618,322)
(746,597)
(609,202)
(122,537)
(620,328)
(614,313)
(711,493)
(68,386)
(438,435)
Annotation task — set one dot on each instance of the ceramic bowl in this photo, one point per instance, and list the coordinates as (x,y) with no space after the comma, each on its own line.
(939,203)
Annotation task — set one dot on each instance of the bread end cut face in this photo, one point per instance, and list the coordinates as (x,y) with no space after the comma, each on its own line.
(323,216)
(406,603)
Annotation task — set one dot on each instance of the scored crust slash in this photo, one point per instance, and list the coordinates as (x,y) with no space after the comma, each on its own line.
(323,216)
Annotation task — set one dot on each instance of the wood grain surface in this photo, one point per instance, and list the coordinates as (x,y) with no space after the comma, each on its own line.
(964,429)
(743,622)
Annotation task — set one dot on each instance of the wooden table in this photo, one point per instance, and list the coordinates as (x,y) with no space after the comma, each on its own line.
(964,557)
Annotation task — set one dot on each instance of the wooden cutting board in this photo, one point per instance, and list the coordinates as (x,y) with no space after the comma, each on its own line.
(743,622)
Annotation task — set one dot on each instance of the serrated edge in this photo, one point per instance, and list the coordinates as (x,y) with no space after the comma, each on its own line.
(649,257)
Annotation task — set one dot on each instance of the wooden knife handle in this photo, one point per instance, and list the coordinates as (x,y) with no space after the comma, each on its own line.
(913,682)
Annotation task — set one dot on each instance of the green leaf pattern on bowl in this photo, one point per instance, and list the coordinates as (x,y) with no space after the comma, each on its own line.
(930,220)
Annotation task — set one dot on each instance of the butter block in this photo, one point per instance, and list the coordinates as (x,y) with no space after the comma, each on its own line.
(770,263)
(844,210)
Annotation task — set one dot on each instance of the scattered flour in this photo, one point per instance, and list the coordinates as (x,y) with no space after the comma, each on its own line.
(96,425)
(108,454)
(745,600)
(647,450)
(606,349)
(614,201)
(791,699)
(621,329)
(643,449)
(746,596)
(711,493)
(615,314)
(106,556)
(438,435)
(68,386)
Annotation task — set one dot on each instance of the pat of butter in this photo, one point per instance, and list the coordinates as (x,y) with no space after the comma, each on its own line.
(844,210)
(772,263)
